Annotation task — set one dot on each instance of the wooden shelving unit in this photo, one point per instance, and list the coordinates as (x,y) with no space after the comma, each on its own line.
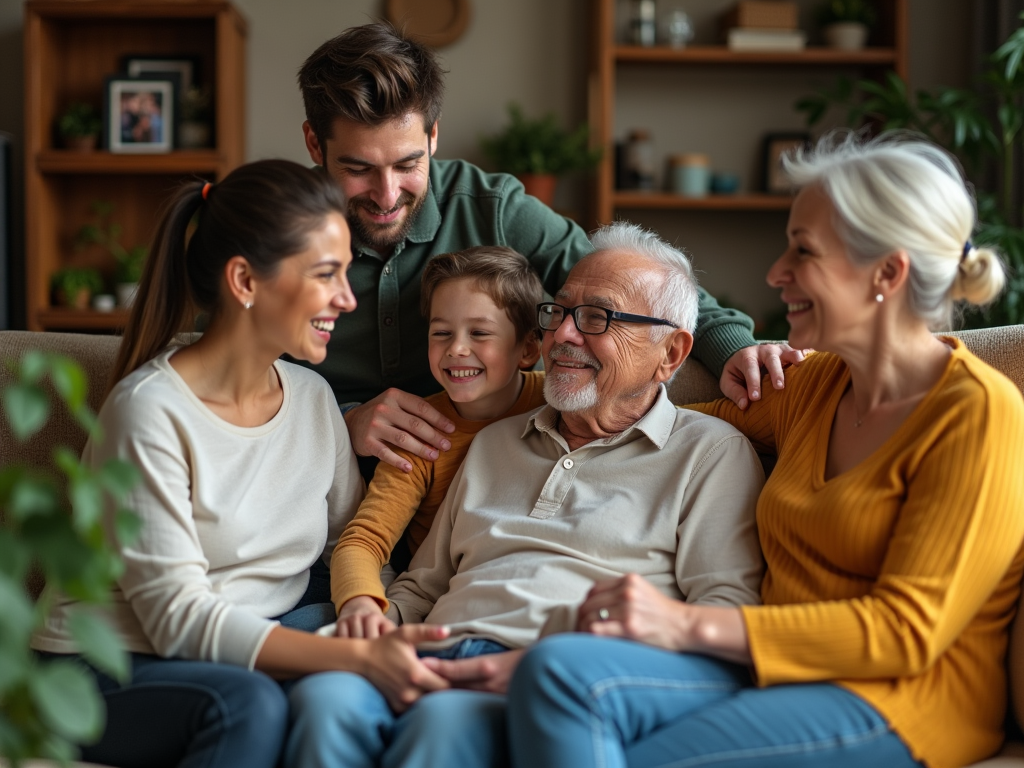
(70,47)
(889,52)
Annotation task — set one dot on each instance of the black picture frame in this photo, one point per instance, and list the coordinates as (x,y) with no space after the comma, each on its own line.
(140,114)
(773,179)
(147,66)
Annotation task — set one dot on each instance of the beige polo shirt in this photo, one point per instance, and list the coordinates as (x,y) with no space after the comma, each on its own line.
(528,526)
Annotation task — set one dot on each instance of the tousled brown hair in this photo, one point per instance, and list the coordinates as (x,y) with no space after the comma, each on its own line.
(370,74)
(263,211)
(502,273)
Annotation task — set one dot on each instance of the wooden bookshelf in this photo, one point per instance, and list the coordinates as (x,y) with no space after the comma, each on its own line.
(70,46)
(719,54)
(667,200)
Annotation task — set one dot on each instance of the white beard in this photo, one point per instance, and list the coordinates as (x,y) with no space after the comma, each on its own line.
(562,398)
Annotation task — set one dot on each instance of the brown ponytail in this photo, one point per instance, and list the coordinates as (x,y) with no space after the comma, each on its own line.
(263,211)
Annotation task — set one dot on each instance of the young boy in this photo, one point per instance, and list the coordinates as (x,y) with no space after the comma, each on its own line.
(481,304)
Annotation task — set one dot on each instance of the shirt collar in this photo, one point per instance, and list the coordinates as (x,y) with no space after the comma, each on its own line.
(424,228)
(656,424)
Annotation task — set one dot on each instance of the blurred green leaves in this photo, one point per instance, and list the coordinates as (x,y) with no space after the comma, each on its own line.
(539,146)
(55,523)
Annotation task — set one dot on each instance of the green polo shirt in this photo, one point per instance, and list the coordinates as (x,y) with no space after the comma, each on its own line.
(383,343)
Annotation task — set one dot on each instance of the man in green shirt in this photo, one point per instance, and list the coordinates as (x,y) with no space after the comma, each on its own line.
(372,100)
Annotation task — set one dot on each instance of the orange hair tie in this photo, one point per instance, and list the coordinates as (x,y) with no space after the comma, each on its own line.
(206,189)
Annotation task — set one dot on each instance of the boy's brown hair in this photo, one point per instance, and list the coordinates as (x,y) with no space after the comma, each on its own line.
(502,273)
(370,74)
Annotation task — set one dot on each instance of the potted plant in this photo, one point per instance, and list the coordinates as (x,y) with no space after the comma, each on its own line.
(129,261)
(538,151)
(51,525)
(845,23)
(74,286)
(194,129)
(982,126)
(79,127)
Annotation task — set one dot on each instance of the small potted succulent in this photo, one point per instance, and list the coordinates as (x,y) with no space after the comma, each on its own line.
(79,127)
(538,151)
(74,287)
(129,261)
(846,23)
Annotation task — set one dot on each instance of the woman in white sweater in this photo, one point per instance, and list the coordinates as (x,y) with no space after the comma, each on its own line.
(248,479)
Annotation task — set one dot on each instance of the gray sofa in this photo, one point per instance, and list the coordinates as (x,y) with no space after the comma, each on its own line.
(1002,348)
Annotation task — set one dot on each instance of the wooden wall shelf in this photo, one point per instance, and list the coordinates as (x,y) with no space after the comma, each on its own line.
(71,46)
(664,200)
(719,54)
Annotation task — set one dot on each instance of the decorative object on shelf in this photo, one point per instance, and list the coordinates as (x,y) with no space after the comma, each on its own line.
(104,302)
(983,128)
(643,16)
(539,148)
(79,127)
(73,287)
(678,28)
(194,125)
(845,23)
(759,25)
(53,526)
(760,40)
(775,146)
(107,234)
(691,174)
(140,114)
(436,23)
(638,161)
(142,67)
(725,183)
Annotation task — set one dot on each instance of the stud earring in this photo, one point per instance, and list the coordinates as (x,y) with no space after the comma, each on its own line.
(248,304)
(879,298)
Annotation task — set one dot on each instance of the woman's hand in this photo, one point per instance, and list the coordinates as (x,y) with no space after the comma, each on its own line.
(396,419)
(630,608)
(490,673)
(361,617)
(741,376)
(391,664)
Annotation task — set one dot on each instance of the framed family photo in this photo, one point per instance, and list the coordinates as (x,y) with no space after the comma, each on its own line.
(140,113)
(775,146)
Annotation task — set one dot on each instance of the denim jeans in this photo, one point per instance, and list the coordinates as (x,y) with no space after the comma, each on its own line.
(340,719)
(200,714)
(581,700)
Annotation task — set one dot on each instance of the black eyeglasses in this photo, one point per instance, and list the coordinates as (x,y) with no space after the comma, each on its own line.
(588,318)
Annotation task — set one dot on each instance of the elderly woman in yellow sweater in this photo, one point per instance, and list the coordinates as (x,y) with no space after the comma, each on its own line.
(891,526)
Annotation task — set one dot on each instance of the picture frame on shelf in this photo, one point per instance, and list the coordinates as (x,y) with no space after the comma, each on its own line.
(185,67)
(774,180)
(139,114)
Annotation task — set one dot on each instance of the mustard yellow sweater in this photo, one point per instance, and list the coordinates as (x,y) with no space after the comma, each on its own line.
(396,500)
(898,578)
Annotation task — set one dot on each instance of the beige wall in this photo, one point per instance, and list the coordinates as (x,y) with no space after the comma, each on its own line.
(534,52)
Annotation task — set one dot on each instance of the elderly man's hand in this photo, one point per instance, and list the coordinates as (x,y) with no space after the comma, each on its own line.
(396,419)
(631,608)
(490,673)
(741,377)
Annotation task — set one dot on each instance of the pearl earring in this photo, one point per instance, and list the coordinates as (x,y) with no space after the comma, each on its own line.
(248,304)
(879,298)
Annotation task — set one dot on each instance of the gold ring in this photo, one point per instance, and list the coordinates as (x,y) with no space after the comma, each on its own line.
(603,614)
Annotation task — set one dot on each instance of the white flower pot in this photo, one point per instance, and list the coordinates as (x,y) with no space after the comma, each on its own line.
(846,35)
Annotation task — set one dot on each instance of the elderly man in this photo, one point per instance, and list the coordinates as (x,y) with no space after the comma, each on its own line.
(607,487)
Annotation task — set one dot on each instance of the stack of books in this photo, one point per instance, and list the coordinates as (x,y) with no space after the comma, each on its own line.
(763,25)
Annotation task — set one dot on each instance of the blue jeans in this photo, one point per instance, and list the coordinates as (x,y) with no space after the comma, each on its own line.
(199,714)
(586,701)
(340,720)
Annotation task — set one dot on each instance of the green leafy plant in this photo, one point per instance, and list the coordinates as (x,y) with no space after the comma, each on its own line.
(982,127)
(539,146)
(837,11)
(74,286)
(79,119)
(51,522)
(105,233)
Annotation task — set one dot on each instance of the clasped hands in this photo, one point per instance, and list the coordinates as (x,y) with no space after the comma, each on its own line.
(396,420)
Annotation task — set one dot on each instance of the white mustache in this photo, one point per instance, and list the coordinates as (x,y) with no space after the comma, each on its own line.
(575,354)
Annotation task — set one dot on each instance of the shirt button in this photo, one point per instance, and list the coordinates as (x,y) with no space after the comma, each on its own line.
(389,320)
(568,463)
(387,269)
